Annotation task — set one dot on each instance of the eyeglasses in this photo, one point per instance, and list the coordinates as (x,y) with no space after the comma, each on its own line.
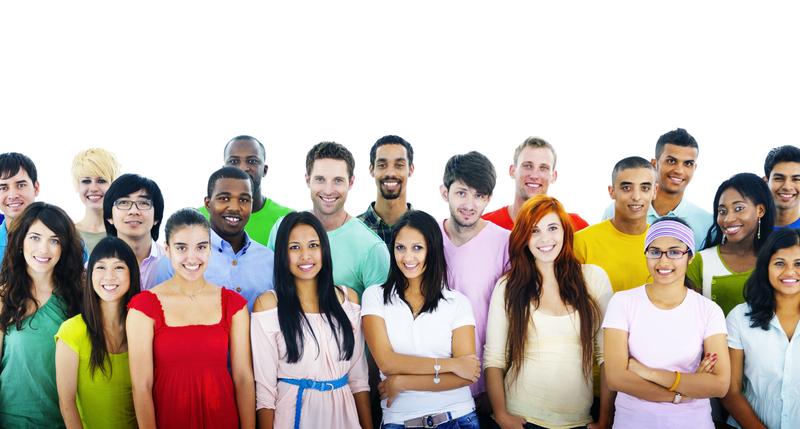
(128,204)
(653,253)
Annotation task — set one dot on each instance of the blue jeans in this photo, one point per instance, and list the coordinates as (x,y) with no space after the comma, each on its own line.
(468,421)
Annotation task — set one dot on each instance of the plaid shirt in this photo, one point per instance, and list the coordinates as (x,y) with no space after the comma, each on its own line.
(375,223)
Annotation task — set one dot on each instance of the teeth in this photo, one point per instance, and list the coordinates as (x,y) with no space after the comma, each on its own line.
(410,267)
(786,196)
(231,219)
(664,271)
(14,205)
(40,259)
(533,185)
(110,287)
(546,248)
(305,267)
(676,180)
(191,267)
(94,198)
(328,199)
(790,281)
(732,229)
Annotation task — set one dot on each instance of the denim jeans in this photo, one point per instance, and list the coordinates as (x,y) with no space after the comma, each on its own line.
(468,421)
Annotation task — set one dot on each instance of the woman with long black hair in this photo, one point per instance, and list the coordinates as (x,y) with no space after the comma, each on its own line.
(308,351)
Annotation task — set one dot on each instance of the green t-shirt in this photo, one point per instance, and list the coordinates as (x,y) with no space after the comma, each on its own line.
(360,258)
(260,224)
(105,400)
(719,283)
(28,394)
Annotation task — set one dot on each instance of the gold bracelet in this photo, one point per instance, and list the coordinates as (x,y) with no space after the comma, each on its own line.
(676,382)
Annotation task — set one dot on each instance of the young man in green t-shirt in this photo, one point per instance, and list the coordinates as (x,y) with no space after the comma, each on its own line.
(247,154)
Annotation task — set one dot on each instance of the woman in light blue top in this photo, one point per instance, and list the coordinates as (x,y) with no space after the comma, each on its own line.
(763,340)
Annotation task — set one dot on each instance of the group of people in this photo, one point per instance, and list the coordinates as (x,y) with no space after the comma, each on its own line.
(251,314)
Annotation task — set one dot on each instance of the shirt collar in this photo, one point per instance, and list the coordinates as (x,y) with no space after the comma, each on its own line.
(220,245)
(372,215)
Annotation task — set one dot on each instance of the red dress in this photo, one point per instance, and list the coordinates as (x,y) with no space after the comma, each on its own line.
(192,386)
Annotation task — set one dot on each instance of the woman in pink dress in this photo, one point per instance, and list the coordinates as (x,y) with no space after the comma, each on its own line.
(308,351)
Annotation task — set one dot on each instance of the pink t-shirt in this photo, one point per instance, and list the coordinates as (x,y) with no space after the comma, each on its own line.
(665,339)
(473,269)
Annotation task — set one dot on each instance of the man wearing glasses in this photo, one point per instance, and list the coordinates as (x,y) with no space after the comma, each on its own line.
(133,208)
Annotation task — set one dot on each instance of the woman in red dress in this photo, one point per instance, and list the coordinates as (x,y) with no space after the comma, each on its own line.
(179,336)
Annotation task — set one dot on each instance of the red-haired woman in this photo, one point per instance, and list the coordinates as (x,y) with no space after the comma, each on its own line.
(544,319)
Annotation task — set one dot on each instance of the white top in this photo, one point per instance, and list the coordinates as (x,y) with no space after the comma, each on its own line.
(550,389)
(429,335)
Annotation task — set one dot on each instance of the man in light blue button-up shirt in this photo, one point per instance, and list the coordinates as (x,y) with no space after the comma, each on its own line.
(236,262)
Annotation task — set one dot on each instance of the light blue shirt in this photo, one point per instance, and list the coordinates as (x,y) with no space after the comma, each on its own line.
(698,219)
(248,272)
(771,378)
(3,239)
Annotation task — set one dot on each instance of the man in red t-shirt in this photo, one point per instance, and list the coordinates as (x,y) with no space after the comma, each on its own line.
(533,170)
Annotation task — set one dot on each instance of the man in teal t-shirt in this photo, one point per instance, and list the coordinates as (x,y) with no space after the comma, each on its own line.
(248,154)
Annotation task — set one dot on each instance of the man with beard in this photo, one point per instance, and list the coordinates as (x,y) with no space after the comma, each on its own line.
(236,262)
(476,250)
(675,163)
(391,163)
(533,170)
(248,154)
(782,174)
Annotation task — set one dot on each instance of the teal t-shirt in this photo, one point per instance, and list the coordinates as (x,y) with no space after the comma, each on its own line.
(360,257)
(28,394)
(260,224)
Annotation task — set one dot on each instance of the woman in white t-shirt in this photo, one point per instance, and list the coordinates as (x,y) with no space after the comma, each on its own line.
(421,333)
(655,339)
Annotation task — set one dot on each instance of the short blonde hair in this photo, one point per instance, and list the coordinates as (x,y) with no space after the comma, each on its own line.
(94,162)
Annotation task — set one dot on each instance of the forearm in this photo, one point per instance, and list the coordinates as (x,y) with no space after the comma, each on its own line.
(606,399)
(363,409)
(703,385)
(740,409)
(391,363)
(629,382)
(496,389)
(425,382)
(69,411)
(145,409)
(246,401)
(266,418)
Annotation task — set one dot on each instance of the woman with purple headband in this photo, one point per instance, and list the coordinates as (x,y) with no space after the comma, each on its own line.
(665,344)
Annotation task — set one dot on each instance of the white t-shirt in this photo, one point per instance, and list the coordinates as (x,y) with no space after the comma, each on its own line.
(429,335)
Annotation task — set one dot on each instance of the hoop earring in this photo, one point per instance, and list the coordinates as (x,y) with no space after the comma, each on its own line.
(758,233)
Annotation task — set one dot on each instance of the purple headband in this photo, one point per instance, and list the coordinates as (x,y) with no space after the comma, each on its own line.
(670,228)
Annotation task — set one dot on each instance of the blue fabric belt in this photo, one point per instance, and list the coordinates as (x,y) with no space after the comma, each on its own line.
(305,383)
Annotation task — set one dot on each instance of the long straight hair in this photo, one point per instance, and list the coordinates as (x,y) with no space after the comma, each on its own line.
(108,247)
(434,279)
(290,313)
(524,284)
(16,283)
(758,292)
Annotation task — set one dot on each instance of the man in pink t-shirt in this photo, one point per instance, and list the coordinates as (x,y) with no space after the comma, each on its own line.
(476,250)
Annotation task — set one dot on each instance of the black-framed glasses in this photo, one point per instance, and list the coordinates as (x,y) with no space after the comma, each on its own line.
(128,204)
(653,253)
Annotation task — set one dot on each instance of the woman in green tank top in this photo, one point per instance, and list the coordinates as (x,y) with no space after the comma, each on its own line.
(39,289)
(92,371)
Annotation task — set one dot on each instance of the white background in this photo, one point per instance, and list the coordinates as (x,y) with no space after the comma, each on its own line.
(165,84)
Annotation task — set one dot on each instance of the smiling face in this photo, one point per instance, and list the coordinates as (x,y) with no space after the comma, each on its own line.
(246,156)
(547,239)
(135,223)
(111,279)
(667,271)
(41,248)
(329,184)
(675,167)
(632,192)
(466,204)
(784,271)
(305,252)
(784,182)
(391,170)
(737,216)
(534,171)
(91,190)
(188,251)
(410,251)
(229,207)
(16,193)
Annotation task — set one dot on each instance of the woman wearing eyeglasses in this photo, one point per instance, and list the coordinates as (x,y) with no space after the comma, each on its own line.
(656,338)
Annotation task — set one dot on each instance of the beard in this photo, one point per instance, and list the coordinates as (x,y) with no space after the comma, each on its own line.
(391,195)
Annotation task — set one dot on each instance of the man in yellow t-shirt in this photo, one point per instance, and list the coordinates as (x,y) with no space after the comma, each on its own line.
(617,244)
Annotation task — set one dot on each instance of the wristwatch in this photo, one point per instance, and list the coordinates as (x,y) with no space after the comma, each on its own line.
(677,398)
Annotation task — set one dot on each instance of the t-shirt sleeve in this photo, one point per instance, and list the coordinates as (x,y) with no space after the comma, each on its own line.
(69,333)
(715,320)
(147,303)
(273,234)
(579,246)
(463,312)
(735,325)
(264,330)
(617,312)
(600,287)
(695,271)
(372,302)
(608,213)
(494,351)
(358,377)
(233,303)
(375,267)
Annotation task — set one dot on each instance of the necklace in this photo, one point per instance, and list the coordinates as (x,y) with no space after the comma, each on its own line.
(192,296)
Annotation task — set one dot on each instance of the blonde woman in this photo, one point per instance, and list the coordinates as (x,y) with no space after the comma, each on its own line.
(93,170)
